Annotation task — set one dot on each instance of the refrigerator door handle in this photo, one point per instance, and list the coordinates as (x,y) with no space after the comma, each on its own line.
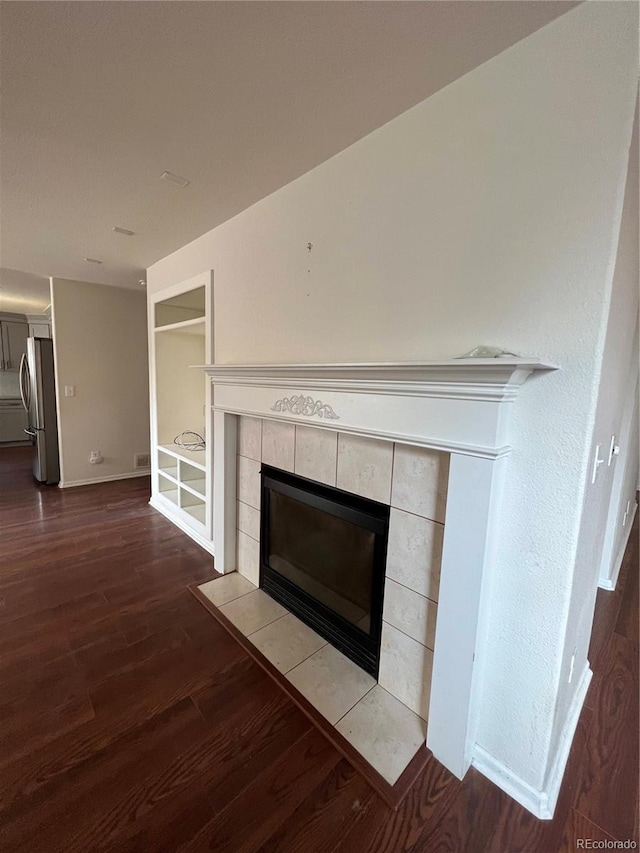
(24,385)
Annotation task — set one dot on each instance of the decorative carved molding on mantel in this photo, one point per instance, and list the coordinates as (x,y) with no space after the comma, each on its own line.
(299,404)
(495,379)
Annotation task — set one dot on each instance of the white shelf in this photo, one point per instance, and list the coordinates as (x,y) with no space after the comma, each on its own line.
(197,487)
(196,326)
(197,511)
(180,335)
(193,457)
(169,471)
(170,495)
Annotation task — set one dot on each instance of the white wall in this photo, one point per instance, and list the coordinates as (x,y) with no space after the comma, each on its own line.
(629,483)
(100,342)
(486,214)
(179,390)
(624,479)
(617,343)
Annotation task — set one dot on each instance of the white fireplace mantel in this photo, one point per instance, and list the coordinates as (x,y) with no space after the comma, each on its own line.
(461,407)
(476,378)
(447,405)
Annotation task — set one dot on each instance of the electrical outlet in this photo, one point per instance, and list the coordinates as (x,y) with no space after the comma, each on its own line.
(69,390)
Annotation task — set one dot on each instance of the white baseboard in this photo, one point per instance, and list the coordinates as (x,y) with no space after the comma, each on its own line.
(540,802)
(70,484)
(610,583)
(556,772)
(207,544)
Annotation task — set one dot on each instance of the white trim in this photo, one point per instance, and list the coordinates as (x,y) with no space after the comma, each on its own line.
(70,484)
(532,799)
(541,802)
(470,427)
(487,379)
(192,326)
(556,772)
(456,406)
(225,432)
(610,583)
(171,516)
(470,526)
(203,534)
(58,384)
(384,435)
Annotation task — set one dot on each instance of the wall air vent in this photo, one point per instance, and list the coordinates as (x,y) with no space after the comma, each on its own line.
(141,460)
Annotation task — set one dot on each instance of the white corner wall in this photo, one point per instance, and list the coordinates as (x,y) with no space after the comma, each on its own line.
(100,343)
(486,214)
(617,377)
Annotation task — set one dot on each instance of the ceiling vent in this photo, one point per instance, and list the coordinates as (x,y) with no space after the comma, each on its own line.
(174,179)
(93,261)
(124,231)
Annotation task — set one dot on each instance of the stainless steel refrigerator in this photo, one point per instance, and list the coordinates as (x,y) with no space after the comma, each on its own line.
(38,392)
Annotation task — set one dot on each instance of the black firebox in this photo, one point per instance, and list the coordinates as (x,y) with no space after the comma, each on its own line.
(322,556)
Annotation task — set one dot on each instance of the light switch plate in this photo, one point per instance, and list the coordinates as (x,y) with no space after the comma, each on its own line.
(69,390)
(597,462)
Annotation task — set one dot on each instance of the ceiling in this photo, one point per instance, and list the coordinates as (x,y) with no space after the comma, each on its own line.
(23,292)
(100,98)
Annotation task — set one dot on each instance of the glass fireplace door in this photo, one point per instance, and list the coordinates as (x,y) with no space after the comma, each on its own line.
(323,554)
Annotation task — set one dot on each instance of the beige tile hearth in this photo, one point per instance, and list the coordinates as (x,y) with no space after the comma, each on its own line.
(287,642)
(252,611)
(226,588)
(331,682)
(384,731)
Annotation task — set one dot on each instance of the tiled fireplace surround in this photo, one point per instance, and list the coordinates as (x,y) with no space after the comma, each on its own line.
(412,481)
(430,441)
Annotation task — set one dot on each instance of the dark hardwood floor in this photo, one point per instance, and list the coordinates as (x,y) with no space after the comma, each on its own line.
(131,721)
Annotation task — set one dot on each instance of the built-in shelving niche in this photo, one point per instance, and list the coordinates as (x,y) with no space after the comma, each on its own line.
(181,323)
